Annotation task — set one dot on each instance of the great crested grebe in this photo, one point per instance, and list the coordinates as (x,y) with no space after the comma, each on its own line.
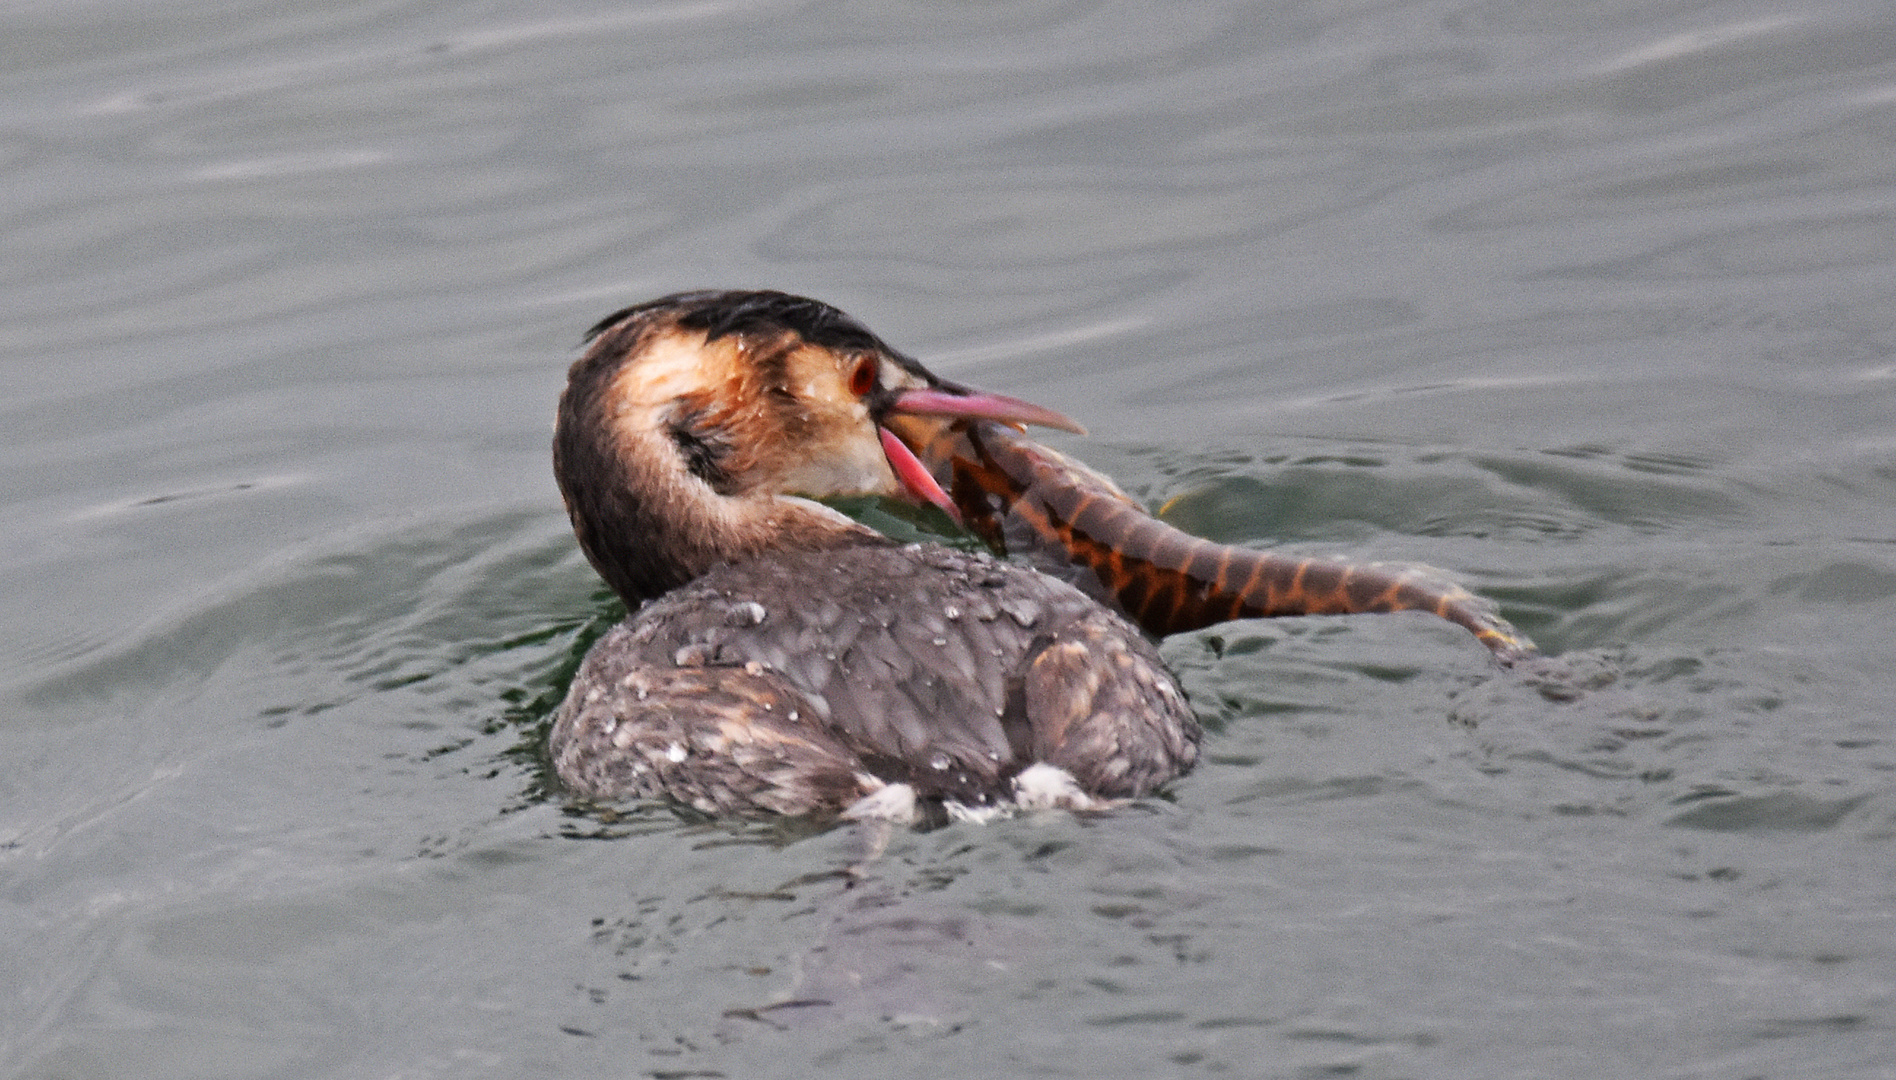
(780,657)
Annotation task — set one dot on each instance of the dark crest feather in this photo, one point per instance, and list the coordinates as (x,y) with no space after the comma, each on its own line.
(722,313)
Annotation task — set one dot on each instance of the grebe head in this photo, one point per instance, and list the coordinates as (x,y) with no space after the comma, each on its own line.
(695,427)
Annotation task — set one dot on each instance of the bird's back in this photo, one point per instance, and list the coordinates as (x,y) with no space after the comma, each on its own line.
(803,681)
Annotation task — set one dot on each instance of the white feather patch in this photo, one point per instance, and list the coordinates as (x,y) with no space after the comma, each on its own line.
(892,802)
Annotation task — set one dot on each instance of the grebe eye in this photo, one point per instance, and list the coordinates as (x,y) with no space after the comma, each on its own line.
(863,379)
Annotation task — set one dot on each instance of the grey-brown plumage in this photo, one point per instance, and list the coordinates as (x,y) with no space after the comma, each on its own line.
(806,681)
(807,663)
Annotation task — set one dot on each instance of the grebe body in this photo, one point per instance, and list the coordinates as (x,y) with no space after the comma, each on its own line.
(808,681)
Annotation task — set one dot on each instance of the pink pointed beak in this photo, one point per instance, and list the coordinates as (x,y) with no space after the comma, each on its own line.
(953,404)
(914,475)
(978,405)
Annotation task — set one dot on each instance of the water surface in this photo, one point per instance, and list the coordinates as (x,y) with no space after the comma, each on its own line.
(1591,304)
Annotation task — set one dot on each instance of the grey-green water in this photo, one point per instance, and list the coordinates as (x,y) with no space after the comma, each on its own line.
(1592,304)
